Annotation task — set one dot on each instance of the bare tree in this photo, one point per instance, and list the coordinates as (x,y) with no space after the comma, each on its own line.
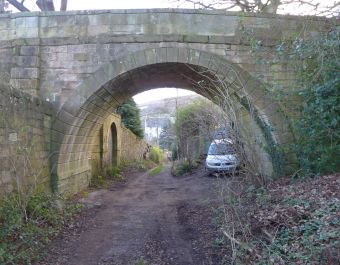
(43,5)
(63,5)
(317,7)
(3,5)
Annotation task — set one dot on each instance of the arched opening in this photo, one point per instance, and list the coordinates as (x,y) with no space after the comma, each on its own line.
(83,114)
(113,147)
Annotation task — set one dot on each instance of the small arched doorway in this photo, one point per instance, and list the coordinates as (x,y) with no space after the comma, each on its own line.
(113,150)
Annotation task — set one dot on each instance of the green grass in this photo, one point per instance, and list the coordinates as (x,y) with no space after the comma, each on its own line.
(29,222)
(182,167)
(140,262)
(155,171)
(106,177)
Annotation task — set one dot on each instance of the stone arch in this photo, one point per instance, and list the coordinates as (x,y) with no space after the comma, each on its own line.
(80,118)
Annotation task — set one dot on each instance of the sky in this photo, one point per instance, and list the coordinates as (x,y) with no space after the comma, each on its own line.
(109,4)
(161,93)
(132,4)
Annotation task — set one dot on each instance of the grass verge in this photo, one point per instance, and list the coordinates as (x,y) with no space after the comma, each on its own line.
(155,171)
(29,222)
(182,167)
(104,179)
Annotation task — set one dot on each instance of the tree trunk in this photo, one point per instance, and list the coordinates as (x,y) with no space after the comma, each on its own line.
(45,5)
(18,5)
(272,7)
(63,5)
(2,6)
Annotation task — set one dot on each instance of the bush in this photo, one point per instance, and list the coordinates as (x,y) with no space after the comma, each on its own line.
(156,155)
(113,173)
(102,180)
(317,124)
(144,165)
(27,223)
(182,167)
(130,114)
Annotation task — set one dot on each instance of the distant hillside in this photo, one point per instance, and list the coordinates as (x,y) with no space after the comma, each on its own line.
(166,106)
(159,113)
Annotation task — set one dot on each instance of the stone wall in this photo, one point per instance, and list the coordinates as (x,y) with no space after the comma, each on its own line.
(25,144)
(25,126)
(105,154)
(132,148)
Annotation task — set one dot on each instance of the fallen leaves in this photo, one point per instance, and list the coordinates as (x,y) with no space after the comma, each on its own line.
(293,222)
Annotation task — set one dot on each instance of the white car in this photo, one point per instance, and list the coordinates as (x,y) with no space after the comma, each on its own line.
(221,157)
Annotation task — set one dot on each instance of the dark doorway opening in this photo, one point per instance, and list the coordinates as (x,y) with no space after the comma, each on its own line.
(113,150)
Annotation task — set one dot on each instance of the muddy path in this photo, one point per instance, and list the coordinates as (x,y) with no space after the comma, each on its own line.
(160,220)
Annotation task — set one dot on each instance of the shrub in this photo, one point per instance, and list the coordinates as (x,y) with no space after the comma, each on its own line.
(317,128)
(102,180)
(27,223)
(156,155)
(315,119)
(143,165)
(113,173)
(182,167)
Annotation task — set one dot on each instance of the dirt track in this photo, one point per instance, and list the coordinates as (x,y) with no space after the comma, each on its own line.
(159,219)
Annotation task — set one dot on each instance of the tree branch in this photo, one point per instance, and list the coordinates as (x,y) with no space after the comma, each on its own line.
(18,5)
(45,5)
(63,5)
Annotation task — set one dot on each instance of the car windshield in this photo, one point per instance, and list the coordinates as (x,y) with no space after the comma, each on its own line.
(220,149)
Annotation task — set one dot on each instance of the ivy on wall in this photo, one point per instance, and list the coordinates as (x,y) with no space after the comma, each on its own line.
(317,127)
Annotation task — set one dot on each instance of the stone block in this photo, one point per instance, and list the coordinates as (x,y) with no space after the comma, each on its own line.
(5,177)
(172,54)
(26,61)
(6,34)
(25,84)
(81,56)
(102,19)
(205,59)
(26,33)
(97,30)
(29,50)
(196,38)
(27,22)
(55,49)
(150,56)
(24,73)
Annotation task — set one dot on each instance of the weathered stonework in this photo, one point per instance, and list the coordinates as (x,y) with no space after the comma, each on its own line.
(87,62)
(25,140)
(26,137)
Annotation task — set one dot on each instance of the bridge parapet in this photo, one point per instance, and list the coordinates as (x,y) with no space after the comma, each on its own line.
(50,53)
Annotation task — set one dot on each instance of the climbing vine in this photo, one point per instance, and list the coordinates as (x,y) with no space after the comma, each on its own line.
(317,128)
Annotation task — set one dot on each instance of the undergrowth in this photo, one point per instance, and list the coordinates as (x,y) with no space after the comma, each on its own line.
(108,175)
(28,223)
(140,261)
(294,222)
(156,155)
(155,171)
(314,239)
(143,165)
(181,167)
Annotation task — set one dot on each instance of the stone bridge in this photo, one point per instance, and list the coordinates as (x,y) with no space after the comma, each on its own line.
(84,63)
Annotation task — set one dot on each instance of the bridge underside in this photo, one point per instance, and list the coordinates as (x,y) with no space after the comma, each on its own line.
(94,103)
